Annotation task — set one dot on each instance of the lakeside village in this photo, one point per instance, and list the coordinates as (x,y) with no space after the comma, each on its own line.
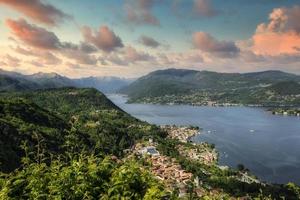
(286,111)
(169,171)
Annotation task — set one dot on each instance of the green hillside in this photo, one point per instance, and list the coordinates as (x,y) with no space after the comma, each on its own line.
(286,88)
(110,129)
(8,83)
(24,123)
(204,87)
(73,143)
(53,138)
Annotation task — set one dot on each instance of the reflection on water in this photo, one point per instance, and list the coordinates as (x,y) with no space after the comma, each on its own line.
(268,145)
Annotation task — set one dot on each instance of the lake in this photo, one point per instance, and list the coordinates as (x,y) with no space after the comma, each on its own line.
(268,145)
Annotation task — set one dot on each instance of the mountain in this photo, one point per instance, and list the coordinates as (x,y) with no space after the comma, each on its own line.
(272,76)
(103,84)
(201,87)
(12,81)
(50,80)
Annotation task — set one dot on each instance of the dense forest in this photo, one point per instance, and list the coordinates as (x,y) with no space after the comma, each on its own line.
(71,143)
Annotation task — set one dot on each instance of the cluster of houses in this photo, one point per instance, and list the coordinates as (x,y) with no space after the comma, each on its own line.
(199,153)
(165,168)
(170,172)
(183,134)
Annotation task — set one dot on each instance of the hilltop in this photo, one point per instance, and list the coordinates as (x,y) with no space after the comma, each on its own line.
(205,87)
(13,81)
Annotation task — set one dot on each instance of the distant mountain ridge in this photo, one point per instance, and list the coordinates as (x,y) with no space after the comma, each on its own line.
(104,84)
(13,81)
(182,86)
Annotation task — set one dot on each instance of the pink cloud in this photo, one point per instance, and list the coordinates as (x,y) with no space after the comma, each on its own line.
(33,35)
(206,43)
(281,35)
(104,39)
(272,43)
(282,20)
(37,10)
(43,43)
(132,55)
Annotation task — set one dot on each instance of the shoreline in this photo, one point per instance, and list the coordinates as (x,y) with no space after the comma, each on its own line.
(206,104)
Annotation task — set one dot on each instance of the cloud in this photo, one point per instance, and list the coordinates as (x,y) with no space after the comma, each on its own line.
(282,20)
(43,43)
(204,8)
(80,57)
(44,57)
(281,35)
(115,59)
(10,61)
(132,55)
(250,57)
(189,58)
(272,43)
(206,43)
(37,10)
(104,39)
(128,55)
(87,48)
(149,42)
(33,35)
(140,12)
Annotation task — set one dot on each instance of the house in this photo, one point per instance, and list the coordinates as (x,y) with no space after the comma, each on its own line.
(150,150)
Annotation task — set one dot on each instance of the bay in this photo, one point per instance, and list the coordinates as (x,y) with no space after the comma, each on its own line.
(268,145)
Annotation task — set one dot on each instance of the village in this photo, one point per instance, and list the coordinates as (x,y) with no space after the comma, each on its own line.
(167,169)
(183,134)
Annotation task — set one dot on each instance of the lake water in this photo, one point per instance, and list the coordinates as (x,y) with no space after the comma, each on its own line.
(267,144)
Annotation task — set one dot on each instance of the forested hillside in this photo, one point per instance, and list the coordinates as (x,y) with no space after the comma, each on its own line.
(57,137)
(268,88)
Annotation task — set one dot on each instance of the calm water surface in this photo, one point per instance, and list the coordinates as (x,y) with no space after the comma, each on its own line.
(268,145)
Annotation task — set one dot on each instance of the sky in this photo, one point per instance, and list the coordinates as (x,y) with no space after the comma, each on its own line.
(130,38)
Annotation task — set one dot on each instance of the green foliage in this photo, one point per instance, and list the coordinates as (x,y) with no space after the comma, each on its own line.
(66,119)
(83,177)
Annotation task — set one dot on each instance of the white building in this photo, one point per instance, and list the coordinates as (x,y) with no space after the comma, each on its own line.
(150,150)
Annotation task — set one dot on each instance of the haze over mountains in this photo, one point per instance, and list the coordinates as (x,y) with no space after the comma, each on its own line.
(15,81)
